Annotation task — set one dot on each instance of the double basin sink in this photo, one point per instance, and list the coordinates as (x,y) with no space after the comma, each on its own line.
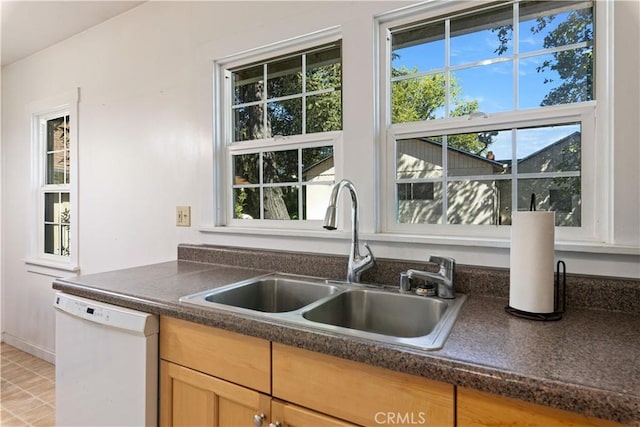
(370,312)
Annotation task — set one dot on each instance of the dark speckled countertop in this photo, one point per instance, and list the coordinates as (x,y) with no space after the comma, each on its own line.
(587,362)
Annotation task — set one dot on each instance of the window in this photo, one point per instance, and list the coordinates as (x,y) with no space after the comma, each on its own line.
(302,95)
(285,184)
(488,106)
(55,189)
(54,154)
(283,118)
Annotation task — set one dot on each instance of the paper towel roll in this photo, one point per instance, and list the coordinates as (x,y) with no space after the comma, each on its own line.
(531,262)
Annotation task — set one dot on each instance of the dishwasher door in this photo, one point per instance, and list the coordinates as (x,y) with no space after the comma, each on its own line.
(106,364)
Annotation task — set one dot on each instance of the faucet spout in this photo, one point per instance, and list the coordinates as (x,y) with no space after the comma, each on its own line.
(357,262)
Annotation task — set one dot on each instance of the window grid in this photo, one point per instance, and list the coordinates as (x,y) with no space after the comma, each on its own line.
(515,58)
(57,220)
(514,176)
(401,129)
(275,109)
(303,95)
(57,158)
(299,184)
(55,195)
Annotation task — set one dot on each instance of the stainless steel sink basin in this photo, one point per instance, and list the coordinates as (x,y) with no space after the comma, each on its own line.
(274,293)
(380,312)
(369,312)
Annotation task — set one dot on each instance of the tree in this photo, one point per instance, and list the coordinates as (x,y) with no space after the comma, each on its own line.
(323,113)
(418,99)
(574,66)
(253,126)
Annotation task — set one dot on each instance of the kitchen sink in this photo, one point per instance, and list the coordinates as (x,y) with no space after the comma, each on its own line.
(370,312)
(379,312)
(274,293)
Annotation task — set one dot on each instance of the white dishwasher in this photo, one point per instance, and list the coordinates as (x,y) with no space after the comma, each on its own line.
(106,364)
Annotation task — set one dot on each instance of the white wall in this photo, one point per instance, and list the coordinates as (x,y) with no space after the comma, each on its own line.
(1,209)
(145,143)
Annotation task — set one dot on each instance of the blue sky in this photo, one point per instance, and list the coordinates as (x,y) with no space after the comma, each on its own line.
(492,84)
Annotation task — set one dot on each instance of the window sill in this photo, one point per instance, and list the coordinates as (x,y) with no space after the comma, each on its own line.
(50,268)
(414,239)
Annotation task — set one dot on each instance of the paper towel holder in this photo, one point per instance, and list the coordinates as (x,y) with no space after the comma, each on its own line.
(559,306)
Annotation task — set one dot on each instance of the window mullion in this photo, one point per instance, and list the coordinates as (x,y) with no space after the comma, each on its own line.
(514,171)
(261,182)
(67,159)
(447,67)
(447,112)
(304,94)
(445,174)
(265,108)
(516,51)
(300,186)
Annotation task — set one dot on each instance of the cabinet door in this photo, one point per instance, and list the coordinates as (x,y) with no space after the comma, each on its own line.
(191,398)
(478,409)
(287,415)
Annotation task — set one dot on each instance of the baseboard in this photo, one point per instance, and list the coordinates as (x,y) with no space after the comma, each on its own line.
(16,342)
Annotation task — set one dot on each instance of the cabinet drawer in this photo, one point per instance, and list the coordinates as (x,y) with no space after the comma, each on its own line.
(477,409)
(357,392)
(237,358)
(288,415)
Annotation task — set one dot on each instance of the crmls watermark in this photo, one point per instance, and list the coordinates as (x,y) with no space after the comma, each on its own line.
(402,418)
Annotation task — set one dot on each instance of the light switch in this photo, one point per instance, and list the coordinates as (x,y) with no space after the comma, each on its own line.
(183,216)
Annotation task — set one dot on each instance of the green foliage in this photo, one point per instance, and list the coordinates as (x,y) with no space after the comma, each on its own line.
(420,98)
(416,99)
(575,66)
(240,202)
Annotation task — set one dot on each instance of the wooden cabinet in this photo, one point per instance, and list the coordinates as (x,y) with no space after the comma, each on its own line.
(357,392)
(211,377)
(477,409)
(191,398)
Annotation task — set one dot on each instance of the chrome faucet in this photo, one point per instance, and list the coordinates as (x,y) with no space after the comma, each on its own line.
(357,262)
(443,278)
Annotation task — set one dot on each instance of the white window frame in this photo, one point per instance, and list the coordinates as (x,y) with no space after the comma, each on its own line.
(225,147)
(40,113)
(595,130)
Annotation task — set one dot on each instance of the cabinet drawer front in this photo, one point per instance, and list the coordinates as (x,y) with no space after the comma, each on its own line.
(477,409)
(289,415)
(237,358)
(357,392)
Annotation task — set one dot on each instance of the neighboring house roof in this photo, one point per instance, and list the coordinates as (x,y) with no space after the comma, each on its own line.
(568,138)
(318,168)
(494,163)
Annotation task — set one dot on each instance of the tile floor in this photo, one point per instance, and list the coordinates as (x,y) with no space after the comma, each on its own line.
(27,396)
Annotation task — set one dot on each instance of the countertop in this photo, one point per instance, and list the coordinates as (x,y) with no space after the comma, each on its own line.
(587,362)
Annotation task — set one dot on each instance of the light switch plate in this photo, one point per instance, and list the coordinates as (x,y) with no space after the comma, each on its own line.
(183,216)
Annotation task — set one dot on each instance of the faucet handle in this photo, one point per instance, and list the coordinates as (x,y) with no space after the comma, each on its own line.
(405,282)
(446,264)
(366,246)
